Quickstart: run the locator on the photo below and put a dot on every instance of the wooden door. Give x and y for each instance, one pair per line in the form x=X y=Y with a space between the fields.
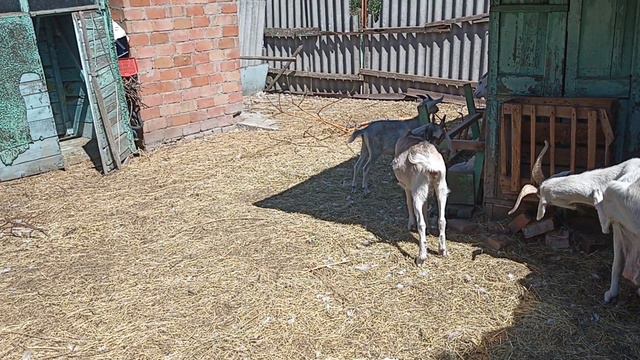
x=28 y=138
x=600 y=58
x=106 y=92
x=600 y=43
x=530 y=59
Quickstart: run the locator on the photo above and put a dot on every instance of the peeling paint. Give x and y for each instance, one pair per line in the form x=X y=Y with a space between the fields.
x=19 y=56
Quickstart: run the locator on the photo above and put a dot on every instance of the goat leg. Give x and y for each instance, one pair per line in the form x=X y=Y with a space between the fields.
x=411 y=226
x=442 y=193
x=363 y=155
x=616 y=268
x=418 y=203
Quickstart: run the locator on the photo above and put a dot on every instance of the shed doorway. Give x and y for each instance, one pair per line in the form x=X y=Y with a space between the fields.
x=65 y=79
x=84 y=86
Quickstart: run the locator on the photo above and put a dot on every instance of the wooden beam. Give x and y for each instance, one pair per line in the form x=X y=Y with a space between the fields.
x=503 y=140
x=472 y=145
x=552 y=140
x=608 y=135
x=516 y=142
x=434 y=27
x=99 y=98
x=316 y=75
x=533 y=136
x=531 y=8
x=591 y=140
x=64 y=10
x=574 y=129
x=466 y=123
x=416 y=78
x=268 y=58
x=286 y=66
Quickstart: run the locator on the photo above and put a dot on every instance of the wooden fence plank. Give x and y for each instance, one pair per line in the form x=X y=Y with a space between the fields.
x=516 y=141
x=591 y=149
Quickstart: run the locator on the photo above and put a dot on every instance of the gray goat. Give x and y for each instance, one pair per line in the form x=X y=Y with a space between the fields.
x=380 y=137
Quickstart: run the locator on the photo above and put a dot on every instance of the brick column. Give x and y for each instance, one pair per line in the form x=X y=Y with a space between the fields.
x=188 y=56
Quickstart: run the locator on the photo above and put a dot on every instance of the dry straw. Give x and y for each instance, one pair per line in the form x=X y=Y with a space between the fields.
x=245 y=245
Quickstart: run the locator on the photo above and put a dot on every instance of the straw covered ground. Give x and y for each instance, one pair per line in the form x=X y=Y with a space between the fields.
x=245 y=245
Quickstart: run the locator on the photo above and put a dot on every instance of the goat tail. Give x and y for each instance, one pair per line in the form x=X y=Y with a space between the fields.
x=425 y=164
x=356 y=134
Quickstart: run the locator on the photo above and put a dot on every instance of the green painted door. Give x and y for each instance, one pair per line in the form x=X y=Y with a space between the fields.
x=106 y=92
x=531 y=52
x=600 y=58
x=28 y=138
x=600 y=48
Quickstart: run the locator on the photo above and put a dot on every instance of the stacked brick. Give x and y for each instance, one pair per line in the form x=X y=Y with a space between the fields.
x=188 y=59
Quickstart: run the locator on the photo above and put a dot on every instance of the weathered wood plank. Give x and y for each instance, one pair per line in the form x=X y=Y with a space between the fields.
x=43 y=129
x=39 y=149
x=593 y=120
x=516 y=141
x=532 y=135
x=608 y=134
x=30 y=168
x=552 y=140
x=503 y=144
x=574 y=126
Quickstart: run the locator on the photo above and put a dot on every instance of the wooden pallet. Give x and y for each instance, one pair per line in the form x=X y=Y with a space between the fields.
x=579 y=133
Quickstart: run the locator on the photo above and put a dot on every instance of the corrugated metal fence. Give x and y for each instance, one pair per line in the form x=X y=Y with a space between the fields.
x=435 y=45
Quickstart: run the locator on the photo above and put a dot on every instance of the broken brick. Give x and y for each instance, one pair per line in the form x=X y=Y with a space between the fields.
x=558 y=239
x=519 y=222
x=497 y=242
x=538 y=228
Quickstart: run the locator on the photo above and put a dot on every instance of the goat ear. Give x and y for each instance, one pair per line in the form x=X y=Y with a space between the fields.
x=440 y=100
x=429 y=97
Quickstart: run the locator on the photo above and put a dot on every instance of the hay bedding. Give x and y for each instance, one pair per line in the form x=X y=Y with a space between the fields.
x=245 y=246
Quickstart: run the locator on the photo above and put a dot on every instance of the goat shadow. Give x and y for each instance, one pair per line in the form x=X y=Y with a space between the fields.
x=327 y=196
x=567 y=285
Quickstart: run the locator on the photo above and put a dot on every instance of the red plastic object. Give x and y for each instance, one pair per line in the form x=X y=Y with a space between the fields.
x=128 y=67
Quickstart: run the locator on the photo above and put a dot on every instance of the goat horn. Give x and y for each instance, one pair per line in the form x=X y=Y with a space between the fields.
x=526 y=190
x=537 y=176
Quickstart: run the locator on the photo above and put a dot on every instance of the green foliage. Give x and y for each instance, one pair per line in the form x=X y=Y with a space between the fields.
x=375 y=8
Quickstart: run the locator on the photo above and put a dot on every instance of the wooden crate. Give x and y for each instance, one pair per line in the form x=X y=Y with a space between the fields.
x=579 y=133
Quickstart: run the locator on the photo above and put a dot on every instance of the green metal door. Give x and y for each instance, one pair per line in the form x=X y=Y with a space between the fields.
x=28 y=139
x=106 y=92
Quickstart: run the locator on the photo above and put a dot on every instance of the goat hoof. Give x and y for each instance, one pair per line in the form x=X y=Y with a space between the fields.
x=444 y=253
x=610 y=298
x=420 y=261
x=412 y=228
x=353 y=189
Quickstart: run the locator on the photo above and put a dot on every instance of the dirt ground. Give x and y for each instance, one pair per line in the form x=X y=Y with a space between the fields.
x=246 y=245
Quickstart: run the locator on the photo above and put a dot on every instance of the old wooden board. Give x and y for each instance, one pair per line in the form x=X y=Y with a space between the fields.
x=106 y=93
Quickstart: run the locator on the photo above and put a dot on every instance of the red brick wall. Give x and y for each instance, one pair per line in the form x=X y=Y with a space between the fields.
x=188 y=57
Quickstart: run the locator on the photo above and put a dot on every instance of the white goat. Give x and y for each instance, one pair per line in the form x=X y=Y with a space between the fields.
x=421 y=170
x=483 y=87
x=567 y=191
x=379 y=137
x=619 y=207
